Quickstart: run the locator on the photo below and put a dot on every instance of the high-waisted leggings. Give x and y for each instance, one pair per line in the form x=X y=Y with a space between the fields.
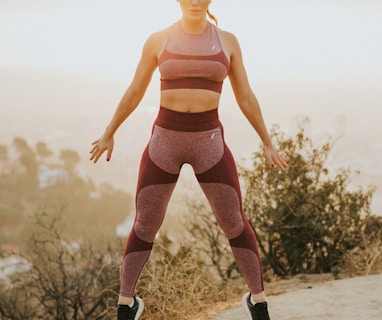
x=196 y=139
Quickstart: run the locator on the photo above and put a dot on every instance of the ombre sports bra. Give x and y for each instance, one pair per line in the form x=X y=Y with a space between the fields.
x=193 y=61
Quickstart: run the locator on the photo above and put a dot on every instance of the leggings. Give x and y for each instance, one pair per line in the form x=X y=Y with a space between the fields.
x=197 y=139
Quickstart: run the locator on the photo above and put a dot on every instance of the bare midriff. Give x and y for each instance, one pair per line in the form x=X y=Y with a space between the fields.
x=189 y=100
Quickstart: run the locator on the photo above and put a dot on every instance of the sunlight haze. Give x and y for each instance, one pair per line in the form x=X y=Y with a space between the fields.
x=65 y=64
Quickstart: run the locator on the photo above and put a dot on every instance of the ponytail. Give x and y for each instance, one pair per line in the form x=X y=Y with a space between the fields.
x=212 y=17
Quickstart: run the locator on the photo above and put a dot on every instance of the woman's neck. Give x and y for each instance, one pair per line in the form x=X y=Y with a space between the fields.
x=193 y=27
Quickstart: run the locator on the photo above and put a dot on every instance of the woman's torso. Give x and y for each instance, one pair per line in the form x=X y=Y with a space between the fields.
x=192 y=99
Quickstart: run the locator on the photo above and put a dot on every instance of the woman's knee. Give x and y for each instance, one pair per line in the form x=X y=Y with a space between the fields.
x=232 y=228
x=147 y=230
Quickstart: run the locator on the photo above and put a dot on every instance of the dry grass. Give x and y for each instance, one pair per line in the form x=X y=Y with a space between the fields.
x=364 y=260
x=179 y=286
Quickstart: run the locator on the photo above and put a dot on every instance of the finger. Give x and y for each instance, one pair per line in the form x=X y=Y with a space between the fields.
x=282 y=167
x=93 y=156
x=94 y=148
x=97 y=156
x=283 y=158
x=95 y=142
x=268 y=157
x=109 y=153
x=282 y=164
x=94 y=151
x=279 y=161
x=273 y=161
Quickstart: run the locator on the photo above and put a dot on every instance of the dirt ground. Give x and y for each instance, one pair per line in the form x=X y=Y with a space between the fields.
x=319 y=298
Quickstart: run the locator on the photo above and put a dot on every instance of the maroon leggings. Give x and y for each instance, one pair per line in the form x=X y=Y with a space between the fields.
x=196 y=139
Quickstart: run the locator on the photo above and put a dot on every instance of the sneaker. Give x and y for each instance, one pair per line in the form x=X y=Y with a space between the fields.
x=259 y=311
x=133 y=313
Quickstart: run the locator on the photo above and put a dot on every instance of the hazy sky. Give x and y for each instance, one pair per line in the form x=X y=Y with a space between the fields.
x=301 y=55
x=292 y=38
x=322 y=58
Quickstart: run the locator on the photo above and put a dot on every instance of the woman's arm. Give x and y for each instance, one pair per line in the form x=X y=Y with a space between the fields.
x=138 y=86
x=131 y=97
x=248 y=103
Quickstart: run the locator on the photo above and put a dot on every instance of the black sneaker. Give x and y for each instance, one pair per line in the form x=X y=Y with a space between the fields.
x=133 y=313
x=259 y=311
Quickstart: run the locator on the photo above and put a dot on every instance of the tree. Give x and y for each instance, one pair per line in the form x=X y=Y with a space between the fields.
x=305 y=218
x=27 y=158
x=43 y=151
x=28 y=185
x=73 y=280
x=70 y=159
x=4 y=153
x=212 y=243
x=67 y=280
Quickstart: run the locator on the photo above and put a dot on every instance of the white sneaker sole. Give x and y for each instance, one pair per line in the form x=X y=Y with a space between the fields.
x=140 y=308
x=244 y=300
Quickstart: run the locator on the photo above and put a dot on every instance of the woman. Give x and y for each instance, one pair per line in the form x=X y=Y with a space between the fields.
x=193 y=57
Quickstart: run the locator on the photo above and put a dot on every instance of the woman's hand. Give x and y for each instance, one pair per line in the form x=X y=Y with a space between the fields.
x=100 y=146
x=275 y=158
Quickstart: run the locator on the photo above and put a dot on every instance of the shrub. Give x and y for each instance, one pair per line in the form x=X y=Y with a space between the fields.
x=366 y=258
x=305 y=218
x=212 y=243
x=68 y=280
x=72 y=280
x=176 y=285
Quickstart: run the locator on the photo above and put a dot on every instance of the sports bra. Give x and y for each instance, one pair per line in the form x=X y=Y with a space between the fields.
x=193 y=61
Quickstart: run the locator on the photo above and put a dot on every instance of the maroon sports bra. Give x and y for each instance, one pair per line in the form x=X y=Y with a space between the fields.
x=193 y=61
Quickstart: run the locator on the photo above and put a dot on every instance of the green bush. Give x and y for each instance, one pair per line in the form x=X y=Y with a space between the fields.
x=305 y=218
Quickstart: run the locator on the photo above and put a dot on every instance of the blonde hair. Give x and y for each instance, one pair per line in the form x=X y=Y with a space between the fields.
x=212 y=17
